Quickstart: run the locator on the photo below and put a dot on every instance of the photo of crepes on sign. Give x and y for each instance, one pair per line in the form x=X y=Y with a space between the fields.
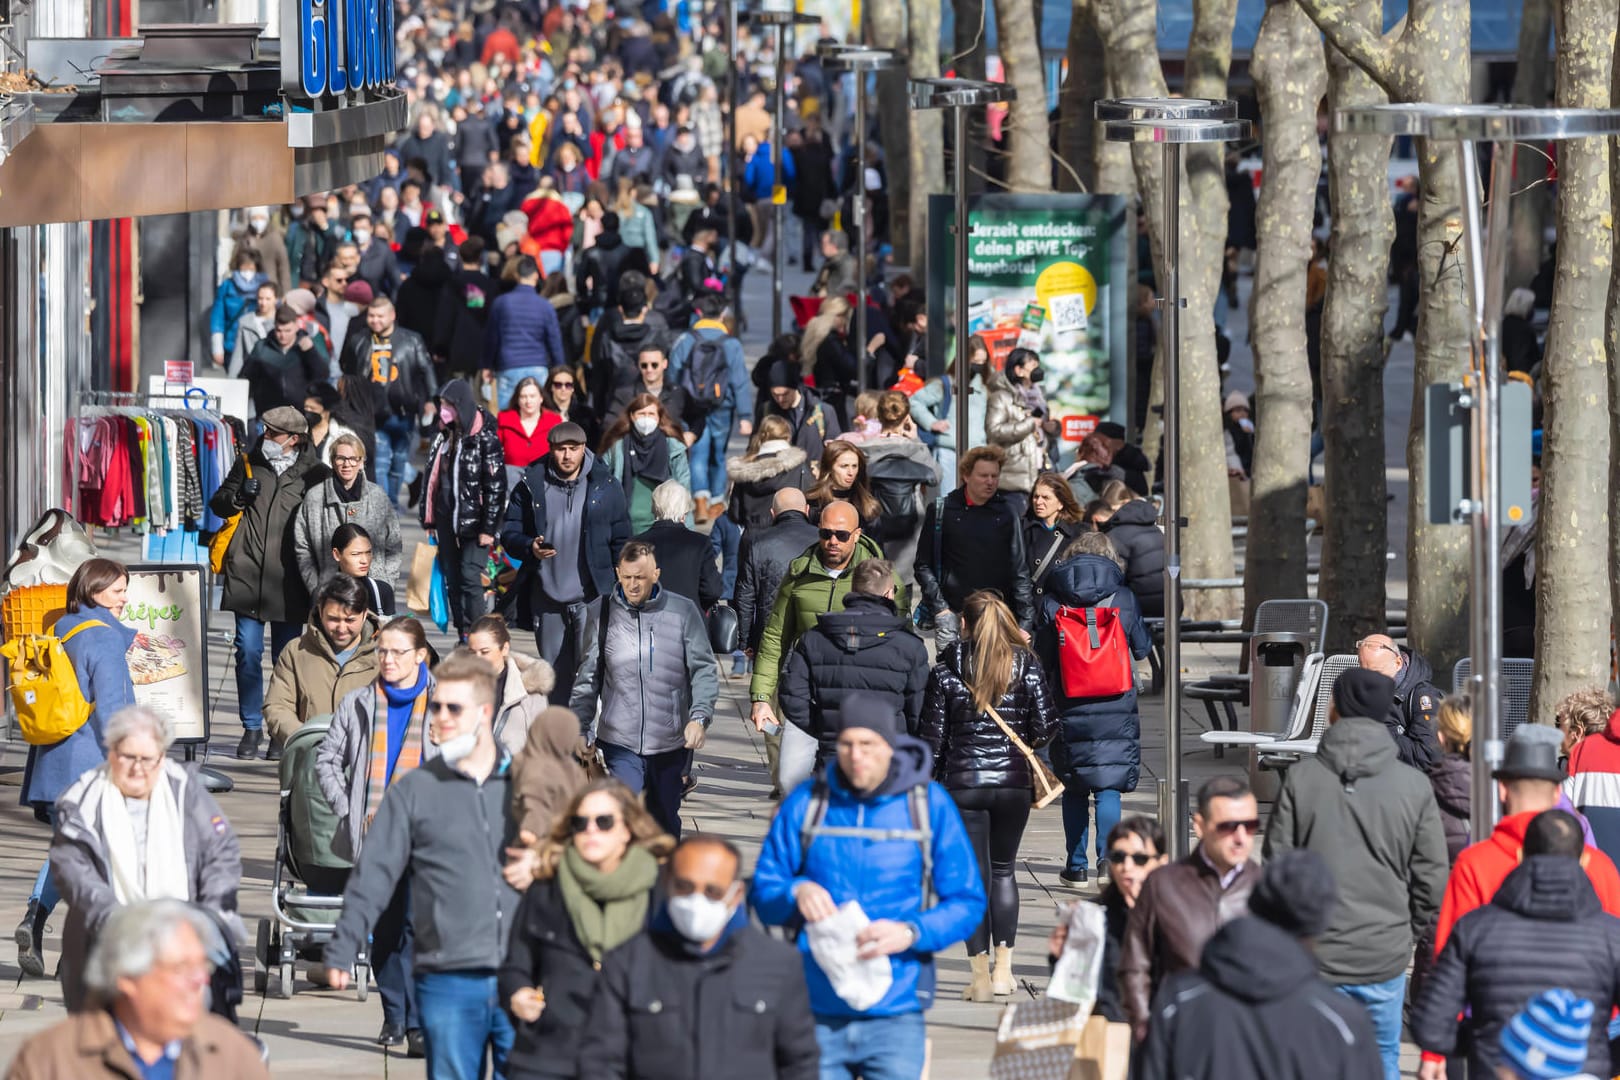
x=168 y=662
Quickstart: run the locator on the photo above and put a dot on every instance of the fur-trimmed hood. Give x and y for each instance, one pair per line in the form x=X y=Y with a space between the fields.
x=766 y=465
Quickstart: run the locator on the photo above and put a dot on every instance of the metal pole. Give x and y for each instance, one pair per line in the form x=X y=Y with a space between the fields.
x=961 y=234
x=728 y=158
x=858 y=149
x=778 y=209
x=1170 y=305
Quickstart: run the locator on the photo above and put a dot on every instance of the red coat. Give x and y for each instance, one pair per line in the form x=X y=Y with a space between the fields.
x=551 y=223
x=524 y=450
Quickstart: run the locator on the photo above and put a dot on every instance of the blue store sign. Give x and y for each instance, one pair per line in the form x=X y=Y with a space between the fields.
x=333 y=47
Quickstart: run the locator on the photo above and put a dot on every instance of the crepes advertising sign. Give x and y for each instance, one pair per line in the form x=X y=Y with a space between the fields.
x=168 y=663
x=1045 y=272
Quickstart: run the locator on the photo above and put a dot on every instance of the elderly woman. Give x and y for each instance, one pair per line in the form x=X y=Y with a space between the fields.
x=346 y=498
x=139 y=827
x=95 y=641
x=522 y=682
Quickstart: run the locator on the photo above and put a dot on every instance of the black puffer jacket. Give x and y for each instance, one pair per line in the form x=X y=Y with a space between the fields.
x=969 y=748
x=762 y=560
x=1411 y=714
x=1544 y=929
x=963 y=548
x=1135 y=532
x=1453 y=791
x=474 y=467
x=755 y=483
x=865 y=649
x=1257 y=1008
x=596 y=281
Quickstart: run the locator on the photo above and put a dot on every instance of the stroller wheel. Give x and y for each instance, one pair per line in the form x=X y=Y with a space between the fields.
x=289 y=974
x=362 y=981
x=261 y=958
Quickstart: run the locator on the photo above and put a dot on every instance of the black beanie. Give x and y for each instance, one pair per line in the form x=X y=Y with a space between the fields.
x=1359 y=692
x=873 y=712
x=1296 y=893
x=784 y=373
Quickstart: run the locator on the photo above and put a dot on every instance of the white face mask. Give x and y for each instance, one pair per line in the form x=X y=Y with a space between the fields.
x=697 y=918
x=259 y=224
x=646 y=425
x=362 y=237
x=272 y=450
x=453 y=750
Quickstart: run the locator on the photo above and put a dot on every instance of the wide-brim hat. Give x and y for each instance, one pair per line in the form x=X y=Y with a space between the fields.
x=1532 y=754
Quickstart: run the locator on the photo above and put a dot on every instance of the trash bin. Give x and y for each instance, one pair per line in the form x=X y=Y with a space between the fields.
x=1276 y=662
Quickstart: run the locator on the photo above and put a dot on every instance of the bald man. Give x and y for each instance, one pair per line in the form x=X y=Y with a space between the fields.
x=1410 y=719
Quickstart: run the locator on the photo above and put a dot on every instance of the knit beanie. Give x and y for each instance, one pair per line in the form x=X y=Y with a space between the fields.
x=1549 y=1038
x=1296 y=893
x=1359 y=692
x=873 y=712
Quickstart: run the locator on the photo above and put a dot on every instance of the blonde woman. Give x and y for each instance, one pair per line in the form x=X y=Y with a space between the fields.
x=1452 y=778
x=826 y=354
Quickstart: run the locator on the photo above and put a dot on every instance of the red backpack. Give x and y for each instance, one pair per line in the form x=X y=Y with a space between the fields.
x=1093 y=655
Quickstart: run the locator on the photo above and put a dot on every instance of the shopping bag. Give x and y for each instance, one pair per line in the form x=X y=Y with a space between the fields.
x=1104 y=1052
x=1037 y=1040
x=419 y=587
x=439 y=599
x=1079 y=966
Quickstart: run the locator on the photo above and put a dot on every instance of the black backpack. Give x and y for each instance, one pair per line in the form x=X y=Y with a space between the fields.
x=705 y=375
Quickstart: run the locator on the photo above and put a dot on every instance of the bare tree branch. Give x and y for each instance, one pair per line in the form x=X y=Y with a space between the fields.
x=1369 y=51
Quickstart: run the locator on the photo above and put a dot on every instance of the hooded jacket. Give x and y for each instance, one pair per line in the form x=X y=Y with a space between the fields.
x=548 y=771
x=1101 y=742
x=1375 y=823
x=596 y=281
x=308 y=680
x=343 y=764
x=1256 y=1008
x=762 y=561
x=653 y=669
x=1411 y=714
x=755 y=482
x=807 y=591
x=604 y=530
x=468 y=457
x=1452 y=781
x=1134 y=529
x=1009 y=425
x=865 y=649
x=1545 y=928
x=615 y=346
x=523 y=689
x=970 y=750
x=951 y=554
x=262 y=579
x=884 y=875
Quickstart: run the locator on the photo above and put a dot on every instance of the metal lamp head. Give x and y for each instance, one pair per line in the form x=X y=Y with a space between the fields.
x=1166 y=109
x=844 y=57
x=1176 y=131
x=957 y=93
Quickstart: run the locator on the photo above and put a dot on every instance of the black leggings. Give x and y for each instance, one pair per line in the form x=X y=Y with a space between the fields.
x=995 y=818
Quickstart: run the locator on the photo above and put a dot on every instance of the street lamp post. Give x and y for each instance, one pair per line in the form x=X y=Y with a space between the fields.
x=782 y=19
x=1486 y=245
x=959 y=95
x=1175 y=123
x=862 y=62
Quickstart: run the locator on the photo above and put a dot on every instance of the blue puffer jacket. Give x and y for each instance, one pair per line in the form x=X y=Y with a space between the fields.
x=884 y=875
x=1100 y=745
x=103 y=673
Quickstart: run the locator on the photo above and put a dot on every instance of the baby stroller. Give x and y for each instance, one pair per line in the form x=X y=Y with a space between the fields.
x=306 y=889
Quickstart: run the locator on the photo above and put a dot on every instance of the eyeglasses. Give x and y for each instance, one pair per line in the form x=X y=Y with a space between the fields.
x=136 y=761
x=346 y=459
x=1140 y=858
x=1227 y=828
x=682 y=887
x=841 y=535
x=1367 y=643
x=395 y=654
x=579 y=823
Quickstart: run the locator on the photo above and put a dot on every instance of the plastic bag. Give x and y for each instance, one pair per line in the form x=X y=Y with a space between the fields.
x=439 y=599
x=860 y=983
x=1075 y=976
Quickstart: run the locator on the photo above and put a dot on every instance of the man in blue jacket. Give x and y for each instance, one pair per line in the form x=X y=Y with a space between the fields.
x=522 y=338
x=718 y=390
x=876 y=831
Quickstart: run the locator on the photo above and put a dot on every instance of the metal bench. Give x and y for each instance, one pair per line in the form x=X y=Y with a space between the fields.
x=1284 y=752
x=1299 y=716
x=1518 y=677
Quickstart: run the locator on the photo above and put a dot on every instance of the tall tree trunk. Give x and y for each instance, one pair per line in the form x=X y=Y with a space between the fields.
x=1572 y=537
x=1291 y=77
x=1532 y=81
x=968 y=60
x=1027 y=131
x=1355 y=536
x=1115 y=174
x=927 y=142
x=887 y=19
x=1612 y=326
x=1078 y=133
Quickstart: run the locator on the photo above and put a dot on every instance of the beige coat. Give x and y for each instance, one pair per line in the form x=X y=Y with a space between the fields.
x=1009 y=425
x=528 y=681
x=308 y=681
x=86 y=1046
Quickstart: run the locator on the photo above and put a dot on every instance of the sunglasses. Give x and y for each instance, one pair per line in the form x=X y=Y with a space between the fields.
x=1227 y=828
x=654 y=366
x=562 y=384
x=453 y=708
x=1140 y=858
x=841 y=535
x=579 y=823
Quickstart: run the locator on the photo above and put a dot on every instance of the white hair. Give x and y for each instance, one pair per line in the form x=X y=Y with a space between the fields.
x=671 y=501
x=138 y=720
x=1520 y=303
x=134 y=937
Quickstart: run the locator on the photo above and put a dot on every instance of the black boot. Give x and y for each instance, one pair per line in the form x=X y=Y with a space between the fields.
x=248 y=748
x=30 y=938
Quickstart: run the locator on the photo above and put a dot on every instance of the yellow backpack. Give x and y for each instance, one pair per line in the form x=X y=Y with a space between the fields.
x=44 y=686
x=221 y=542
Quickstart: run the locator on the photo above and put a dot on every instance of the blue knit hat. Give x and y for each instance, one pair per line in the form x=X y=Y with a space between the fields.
x=1549 y=1038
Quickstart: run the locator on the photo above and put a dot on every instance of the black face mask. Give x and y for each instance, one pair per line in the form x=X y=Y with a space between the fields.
x=1037 y=375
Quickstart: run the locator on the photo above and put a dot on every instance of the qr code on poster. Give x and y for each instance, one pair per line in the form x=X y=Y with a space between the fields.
x=1068 y=313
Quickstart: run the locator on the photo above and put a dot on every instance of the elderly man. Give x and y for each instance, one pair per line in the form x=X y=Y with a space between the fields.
x=1410 y=717
x=149 y=1016
x=685 y=557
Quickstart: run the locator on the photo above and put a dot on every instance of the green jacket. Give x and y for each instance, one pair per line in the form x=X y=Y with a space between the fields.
x=807 y=592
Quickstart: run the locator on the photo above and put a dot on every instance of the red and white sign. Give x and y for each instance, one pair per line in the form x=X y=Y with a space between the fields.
x=1076 y=428
x=181 y=372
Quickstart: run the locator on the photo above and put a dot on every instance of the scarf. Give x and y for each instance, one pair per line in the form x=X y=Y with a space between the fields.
x=646 y=458
x=350 y=494
x=162 y=873
x=410 y=747
x=606 y=909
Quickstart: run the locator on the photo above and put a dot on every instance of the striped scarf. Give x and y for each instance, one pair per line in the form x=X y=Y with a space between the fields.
x=410 y=751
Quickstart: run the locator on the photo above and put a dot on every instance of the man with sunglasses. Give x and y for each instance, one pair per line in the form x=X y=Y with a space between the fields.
x=1374 y=822
x=1410 y=717
x=1183 y=904
x=742 y=1011
x=447 y=824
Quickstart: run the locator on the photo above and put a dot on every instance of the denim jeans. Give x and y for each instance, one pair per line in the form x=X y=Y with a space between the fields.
x=726 y=539
x=463 y=1020
x=44 y=885
x=393 y=950
x=1383 y=1001
x=394 y=454
x=249 y=645
x=1077 y=820
x=874 y=1048
x=708 y=454
x=506 y=381
x=657 y=777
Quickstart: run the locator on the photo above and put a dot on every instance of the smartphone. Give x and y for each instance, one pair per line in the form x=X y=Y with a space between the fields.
x=546 y=545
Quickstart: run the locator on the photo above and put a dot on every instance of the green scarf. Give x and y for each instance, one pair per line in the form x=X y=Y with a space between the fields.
x=606 y=909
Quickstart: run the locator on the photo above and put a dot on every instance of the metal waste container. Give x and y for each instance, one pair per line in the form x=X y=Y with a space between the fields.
x=1276 y=662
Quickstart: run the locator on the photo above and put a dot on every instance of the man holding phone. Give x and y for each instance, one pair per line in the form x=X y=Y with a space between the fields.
x=284 y=364
x=567 y=519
